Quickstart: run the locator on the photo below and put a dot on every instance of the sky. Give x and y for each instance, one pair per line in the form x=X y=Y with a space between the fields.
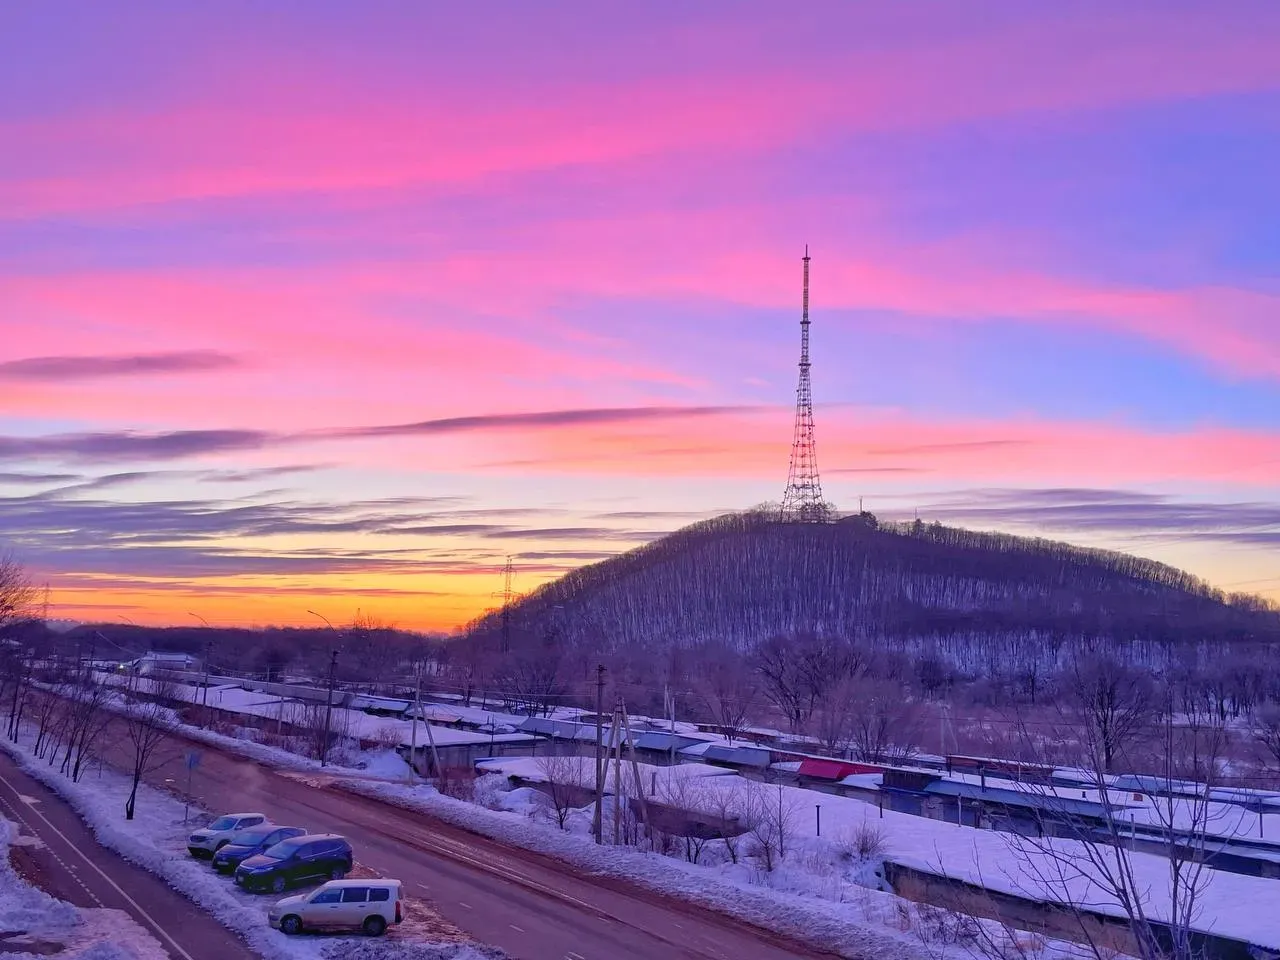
x=318 y=306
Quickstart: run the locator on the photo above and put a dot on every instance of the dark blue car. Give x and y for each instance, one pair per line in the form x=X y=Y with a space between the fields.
x=322 y=856
x=249 y=843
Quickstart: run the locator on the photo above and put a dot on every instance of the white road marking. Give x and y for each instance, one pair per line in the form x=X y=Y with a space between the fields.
x=515 y=928
x=30 y=801
x=136 y=906
x=423 y=885
x=574 y=956
x=18 y=818
x=461 y=904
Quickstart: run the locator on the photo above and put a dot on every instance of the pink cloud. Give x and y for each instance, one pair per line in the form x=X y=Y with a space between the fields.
x=329 y=127
x=884 y=447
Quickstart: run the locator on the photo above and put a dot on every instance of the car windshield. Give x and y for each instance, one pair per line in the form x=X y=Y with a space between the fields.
x=282 y=850
x=223 y=823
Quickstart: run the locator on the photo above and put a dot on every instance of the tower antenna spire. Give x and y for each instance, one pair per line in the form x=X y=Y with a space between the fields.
x=802 y=500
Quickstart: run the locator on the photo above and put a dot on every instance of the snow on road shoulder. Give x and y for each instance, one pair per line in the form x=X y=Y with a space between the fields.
x=156 y=840
x=34 y=921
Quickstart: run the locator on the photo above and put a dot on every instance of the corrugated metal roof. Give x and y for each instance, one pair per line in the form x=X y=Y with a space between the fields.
x=736 y=756
x=825 y=769
x=1044 y=803
x=564 y=729
x=655 y=740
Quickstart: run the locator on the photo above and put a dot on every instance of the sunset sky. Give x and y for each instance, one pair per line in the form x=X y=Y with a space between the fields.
x=336 y=305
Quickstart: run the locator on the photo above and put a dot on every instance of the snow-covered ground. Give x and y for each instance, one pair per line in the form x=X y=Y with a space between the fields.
x=353 y=723
x=156 y=840
x=825 y=827
x=31 y=920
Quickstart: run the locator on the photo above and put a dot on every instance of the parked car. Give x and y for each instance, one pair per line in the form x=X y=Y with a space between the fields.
x=322 y=856
x=368 y=905
x=206 y=842
x=248 y=843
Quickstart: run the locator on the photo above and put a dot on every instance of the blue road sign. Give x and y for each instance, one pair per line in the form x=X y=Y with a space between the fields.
x=193 y=759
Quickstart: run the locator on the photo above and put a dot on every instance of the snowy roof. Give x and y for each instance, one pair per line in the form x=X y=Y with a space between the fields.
x=737 y=756
x=563 y=729
x=665 y=741
x=1020 y=798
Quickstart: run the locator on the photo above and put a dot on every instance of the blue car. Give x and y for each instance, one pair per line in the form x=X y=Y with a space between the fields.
x=297 y=860
x=249 y=843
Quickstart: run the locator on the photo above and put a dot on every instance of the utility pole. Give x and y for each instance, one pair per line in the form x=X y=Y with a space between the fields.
x=413 y=721
x=615 y=736
x=671 y=713
x=596 y=825
x=204 y=694
x=328 y=708
x=635 y=771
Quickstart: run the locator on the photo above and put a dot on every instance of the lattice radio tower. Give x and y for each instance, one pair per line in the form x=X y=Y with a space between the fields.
x=803 y=499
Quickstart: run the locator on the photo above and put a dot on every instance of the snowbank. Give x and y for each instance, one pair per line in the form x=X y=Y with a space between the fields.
x=33 y=917
x=156 y=840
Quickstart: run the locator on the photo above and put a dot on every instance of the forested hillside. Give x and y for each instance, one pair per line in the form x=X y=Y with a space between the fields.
x=740 y=580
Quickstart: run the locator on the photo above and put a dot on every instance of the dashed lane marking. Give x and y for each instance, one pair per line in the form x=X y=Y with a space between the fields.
x=461 y=904
x=515 y=928
x=62 y=863
x=143 y=914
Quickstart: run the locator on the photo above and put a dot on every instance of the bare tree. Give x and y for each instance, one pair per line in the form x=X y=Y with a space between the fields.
x=1267 y=730
x=769 y=816
x=685 y=795
x=319 y=727
x=148 y=726
x=566 y=775
x=1114 y=702
x=19 y=597
x=19 y=600
x=727 y=689
x=796 y=672
x=1147 y=859
x=88 y=720
x=883 y=725
x=533 y=678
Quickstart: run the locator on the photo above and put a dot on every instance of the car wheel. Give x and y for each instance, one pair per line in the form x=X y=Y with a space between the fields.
x=221 y=844
x=277 y=885
x=291 y=925
x=337 y=873
x=375 y=926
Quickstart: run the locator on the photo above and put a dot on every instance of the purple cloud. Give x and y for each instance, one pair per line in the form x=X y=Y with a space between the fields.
x=84 y=368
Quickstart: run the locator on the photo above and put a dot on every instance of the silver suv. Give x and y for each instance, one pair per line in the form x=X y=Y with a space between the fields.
x=368 y=905
x=205 y=843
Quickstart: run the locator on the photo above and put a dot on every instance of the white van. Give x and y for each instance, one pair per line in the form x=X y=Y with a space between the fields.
x=368 y=905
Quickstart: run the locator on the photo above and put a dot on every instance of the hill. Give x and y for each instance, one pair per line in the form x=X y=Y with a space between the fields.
x=742 y=579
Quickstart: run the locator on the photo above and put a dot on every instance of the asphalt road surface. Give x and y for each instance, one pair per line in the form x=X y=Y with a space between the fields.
x=73 y=867
x=532 y=906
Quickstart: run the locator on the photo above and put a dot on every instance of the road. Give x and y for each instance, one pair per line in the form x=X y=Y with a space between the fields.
x=72 y=866
x=532 y=906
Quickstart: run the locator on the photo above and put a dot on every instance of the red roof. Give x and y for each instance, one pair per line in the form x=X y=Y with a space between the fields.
x=833 y=769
